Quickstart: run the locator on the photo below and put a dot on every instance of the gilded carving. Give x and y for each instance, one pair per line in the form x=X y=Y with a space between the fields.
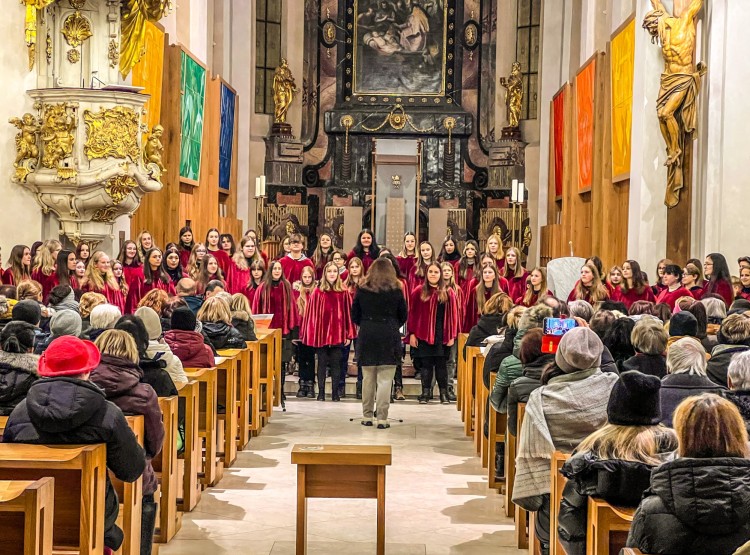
x=111 y=132
x=153 y=150
x=113 y=54
x=30 y=27
x=119 y=187
x=284 y=88
x=49 y=49
x=74 y=56
x=77 y=4
x=27 y=151
x=76 y=29
x=57 y=137
x=514 y=94
x=105 y=215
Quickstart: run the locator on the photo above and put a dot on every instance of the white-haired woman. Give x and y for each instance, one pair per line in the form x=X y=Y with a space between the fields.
x=686 y=364
x=738 y=379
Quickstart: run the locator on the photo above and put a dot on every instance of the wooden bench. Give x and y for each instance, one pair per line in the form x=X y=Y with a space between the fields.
x=607 y=528
x=226 y=380
x=3 y=423
x=211 y=468
x=497 y=433
x=130 y=496
x=242 y=365
x=340 y=471
x=190 y=494
x=254 y=388
x=557 y=484
x=523 y=521
x=511 y=445
x=270 y=372
x=481 y=395
x=461 y=374
x=165 y=467
x=80 y=477
x=26 y=509
x=470 y=406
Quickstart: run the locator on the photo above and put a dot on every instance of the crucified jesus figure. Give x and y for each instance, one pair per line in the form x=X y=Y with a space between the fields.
x=680 y=85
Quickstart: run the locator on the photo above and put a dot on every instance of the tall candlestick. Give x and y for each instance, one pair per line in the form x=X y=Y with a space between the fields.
x=257 y=187
x=521 y=191
x=262 y=185
x=514 y=191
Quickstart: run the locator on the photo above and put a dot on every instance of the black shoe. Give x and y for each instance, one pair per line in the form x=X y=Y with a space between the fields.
x=342 y=391
x=322 y=395
x=366 y=422
x=335 y=398
x=424 y=397
x=444 y=397
x=311 y=390
x=359 y=390
x=383 y=425
x=302 y=391
x=451 y=394
x=399 y=396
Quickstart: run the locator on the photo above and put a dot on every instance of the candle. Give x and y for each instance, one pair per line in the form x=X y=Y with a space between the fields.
x=257 y=186
x=514 y=191
x=262 y=185
x=521 y=191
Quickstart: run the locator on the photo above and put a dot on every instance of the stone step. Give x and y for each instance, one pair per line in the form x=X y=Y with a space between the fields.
x=412 y=387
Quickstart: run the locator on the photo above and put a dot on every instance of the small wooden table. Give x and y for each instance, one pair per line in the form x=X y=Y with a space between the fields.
x=340 y=471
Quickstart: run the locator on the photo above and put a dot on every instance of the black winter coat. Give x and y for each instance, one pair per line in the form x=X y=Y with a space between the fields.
x=155 y=375
x=497 y=354
x=741 y=399
x=223 y=336
x=677 y=387
x=67 y=411
x=17 y=375
x=653 y=365
x=696 y=506
x=521 y=388
x=244 y=324
x=488 y=324
x=617 y=482
x=380 y=317
x=718 y=364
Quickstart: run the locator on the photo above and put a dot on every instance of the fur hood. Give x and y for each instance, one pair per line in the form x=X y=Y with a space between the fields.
x=20 y=361
x=534 y=316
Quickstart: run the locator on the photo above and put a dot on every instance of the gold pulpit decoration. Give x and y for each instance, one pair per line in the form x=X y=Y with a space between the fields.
x=677 y=104
x=513 y=94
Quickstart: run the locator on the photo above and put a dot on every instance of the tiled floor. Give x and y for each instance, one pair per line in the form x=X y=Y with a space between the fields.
x=437 y=496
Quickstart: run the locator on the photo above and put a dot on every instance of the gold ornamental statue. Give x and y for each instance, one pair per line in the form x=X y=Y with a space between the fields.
x=513 y=94
x=680 y=84
x=284 y=88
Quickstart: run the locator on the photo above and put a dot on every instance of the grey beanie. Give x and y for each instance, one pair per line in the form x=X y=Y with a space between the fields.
x=151 y=321
x=65 y=322
x=579 y=349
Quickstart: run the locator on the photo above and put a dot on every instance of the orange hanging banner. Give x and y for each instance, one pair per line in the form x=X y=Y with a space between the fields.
x=622 y=49
x=558 y=111
x=585 y=90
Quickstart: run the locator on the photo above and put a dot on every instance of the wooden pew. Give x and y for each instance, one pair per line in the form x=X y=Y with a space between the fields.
x=608 y=527
x=227 y=395
x=276 y=366
x=522 y=518
x=511 y=444
x=130 y=495
x=497 y=434
x=190 y=493
x=557 y=483
x=3 y=422
x=254 y=386
x=242 y=365
x=26 y=509
x=211 y=468
x=461 y=374
x=80 y=476
x=482 y=395
x=270 y=372
x=470 y=407
x=165 y=467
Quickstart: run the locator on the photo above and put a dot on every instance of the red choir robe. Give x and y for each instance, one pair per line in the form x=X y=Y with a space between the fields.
x=184 y=257
x=293 y=268
x=8 y=277
x=113 y=296
x=657 y=289
x=132 y=274
x=328 y=319
x=139 y=288
x=534 y=298
x=464 y=283
x=631 y=296
x=238 y=281
x=366 y=258
x=406 y=263
x=471 y=314
x=222 y=258
x=413 y=279
x=201 y=288
x=47 y=282
x=586 y=297
x=697 y=292
x=264 y=256
x=723 y=288
x=275 y=300
x=517 y=285
x=670 y=297
x=744 y=293
x=422 y=315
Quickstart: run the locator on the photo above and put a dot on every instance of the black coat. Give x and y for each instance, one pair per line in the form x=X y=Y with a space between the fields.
x=223 y=336
x=696 y=506
x=497 y=354
x=244 y=324
x=488 y=324
x=653 y=365
x=67 y=411
x=741 y=399
x=617 y=482
x=155 y=375
x=521 y=388
x=677 y=387
x=718 y=364
x=17 y=375
x=380 y=317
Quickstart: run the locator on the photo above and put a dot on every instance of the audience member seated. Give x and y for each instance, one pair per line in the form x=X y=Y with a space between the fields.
x=158 y=300
x=698 y=309
x=641 y=308
x=157 y=348
x=154 y=370
x=686 y=364
x=65 y=322
x=119 y=375
x=65 y=408
x=617 y=340
x=86 y=305
x=649 y=340
x=213 y=288
x=738 y=379
x=62 y=297
x=241 y=316
x=217 y=325
x=491 y=320
x=570 y=405
x=601 y=321
x=186 y=343
x=18 y=366
x=502 y=349
x=102 y=318
x=682 y=324
x=663 y=312
x=6 y=306
x=615 y=462
x=697 y=503
x=534 y=362
x=581 y=309
x=30 y=312
x=187 y=289
x=734 y=337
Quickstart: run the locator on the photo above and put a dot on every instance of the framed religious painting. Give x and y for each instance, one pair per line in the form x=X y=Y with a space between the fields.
x=226 y=135
x=192 y=110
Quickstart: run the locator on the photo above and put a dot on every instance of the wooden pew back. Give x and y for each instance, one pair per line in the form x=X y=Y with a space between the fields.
x=557 y=483
x=608 y=527
x=130 y=496
x=190 y=493
x=26 y=510
x=211 y=466
x=165 y=466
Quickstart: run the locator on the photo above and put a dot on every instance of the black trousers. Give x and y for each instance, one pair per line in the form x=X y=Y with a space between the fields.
x=306 y=360
x=329 y=357
x=434 y=365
